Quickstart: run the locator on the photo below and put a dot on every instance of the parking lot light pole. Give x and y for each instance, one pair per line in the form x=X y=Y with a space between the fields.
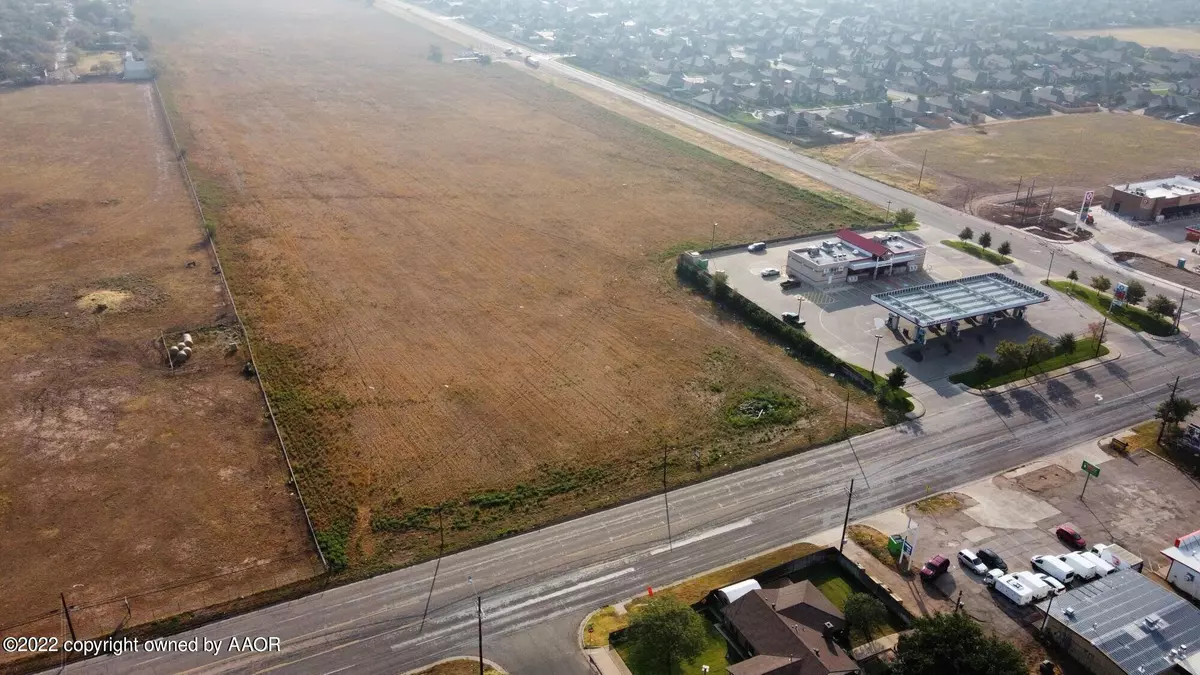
x=1051 y=265
x=873 y=356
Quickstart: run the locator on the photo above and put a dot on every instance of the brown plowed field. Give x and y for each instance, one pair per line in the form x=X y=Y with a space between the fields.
x=460 y=277
x=117 y=477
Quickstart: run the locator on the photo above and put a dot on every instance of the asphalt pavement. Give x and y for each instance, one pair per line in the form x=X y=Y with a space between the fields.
x=537 y=587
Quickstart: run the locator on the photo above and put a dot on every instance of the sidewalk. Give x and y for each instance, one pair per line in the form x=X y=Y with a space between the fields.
x=606 y=662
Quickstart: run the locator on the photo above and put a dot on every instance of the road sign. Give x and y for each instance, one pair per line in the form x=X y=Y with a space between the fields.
x=1087 y=197
x=908 y=549
x=1091 y=469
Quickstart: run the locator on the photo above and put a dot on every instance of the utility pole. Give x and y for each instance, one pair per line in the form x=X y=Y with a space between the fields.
x=1047 y=618
x=1051 y=265
x=846 y=521
x=1170 y=403
x=889 y=211
x=1012 y=216
x=666 y=503
x=1179 y=312
x=958 y=602
x=1100 y=340
x=436 y=567
x=479 y=611
x=922 y=176
x=67 y=612
x=846 y=422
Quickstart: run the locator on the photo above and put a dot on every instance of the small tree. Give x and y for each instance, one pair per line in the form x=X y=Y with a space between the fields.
x=1010 y=355
x=897 y=377
x=1101 y=283
x=1135 y=292
x=665 y=630
x=864 y=613
x=1161 y=305
x=905 y=217
x=720 y=285
x=967 y=234
x=1066 y=343
x=1073 y=276
x=1173 y=411
x=1096 y=332
x=1005 y=248
x=985 y=240
x=435 y=53
x=1037 y=349
x=984 y=365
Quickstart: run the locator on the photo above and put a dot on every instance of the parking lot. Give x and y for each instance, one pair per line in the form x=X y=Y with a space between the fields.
x=1139 y=502
x=843 y=319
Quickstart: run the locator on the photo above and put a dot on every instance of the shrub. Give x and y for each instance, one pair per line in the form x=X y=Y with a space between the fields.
x=897 y=377
x=967 y=234
x=985 y=240
x=1005 y=248
x=1073 y=276
x=1135 y=292
x=905 y=217
x=1037 y=349
x=984 y=365
x=1161 y=305
x=1066 y=343
x=1101 y=283
x=1010 y=355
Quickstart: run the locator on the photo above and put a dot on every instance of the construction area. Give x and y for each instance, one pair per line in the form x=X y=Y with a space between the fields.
x=131 y=489
x=1018 y=172
x=459 y=279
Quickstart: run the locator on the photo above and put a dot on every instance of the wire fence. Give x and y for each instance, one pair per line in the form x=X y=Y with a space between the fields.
x=181 y=161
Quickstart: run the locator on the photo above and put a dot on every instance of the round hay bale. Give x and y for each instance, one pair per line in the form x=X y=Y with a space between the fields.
x=187 y=339
x=181 y=357
x=186 y=351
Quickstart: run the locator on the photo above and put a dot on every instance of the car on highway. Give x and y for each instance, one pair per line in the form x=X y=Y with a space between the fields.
x=1068 y=535
x=971 y=562
x=769 y=272
x=992 y=559
x=935 y=568
x=757 y=246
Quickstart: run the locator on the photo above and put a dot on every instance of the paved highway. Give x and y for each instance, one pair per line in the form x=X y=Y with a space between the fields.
x=537 y=587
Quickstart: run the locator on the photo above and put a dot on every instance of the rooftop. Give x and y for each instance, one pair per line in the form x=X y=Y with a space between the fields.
x=1144 y=628
x=1159 y=188
x=959 y=299
x=848 y=246
x=1186 y=551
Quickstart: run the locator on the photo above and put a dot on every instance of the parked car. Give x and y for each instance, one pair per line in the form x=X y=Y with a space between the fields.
x=935 y=568
x=789 y=283
x=1053 y=567
x=756 y=247
x=1084 y=569
x=971 y=562
x=769 y=272
x=793 y=318
x=1068 y=535
x=992 y=559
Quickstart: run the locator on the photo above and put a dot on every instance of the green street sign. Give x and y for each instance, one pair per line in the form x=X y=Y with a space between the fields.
x=1093 y=470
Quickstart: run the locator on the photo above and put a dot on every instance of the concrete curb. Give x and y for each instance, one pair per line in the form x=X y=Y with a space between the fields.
x=473 y=659
x=1182 y=335
x=1112 y=355
x=918 y=410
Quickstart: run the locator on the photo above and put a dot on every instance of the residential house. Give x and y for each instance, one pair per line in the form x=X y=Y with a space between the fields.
x=970 y=79
x=787 y=631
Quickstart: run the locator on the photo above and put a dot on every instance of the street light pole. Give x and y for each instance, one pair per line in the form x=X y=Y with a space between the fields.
x=714 y=237
x=479 y=615
x=873 y=356
x=1100 y=340
x=666 y=503
x=1051 y=265
x=922 y=176
x=1179 y=314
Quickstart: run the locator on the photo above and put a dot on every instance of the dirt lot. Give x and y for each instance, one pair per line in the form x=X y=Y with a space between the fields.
x=460 y=277
x=116 y=477
x=1069 y=153
x=1184 y=39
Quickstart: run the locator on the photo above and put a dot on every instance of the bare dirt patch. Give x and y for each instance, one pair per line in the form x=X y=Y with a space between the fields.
x=1045 y=478
x=116 y=478
x=461 y=277
x=1066 y=154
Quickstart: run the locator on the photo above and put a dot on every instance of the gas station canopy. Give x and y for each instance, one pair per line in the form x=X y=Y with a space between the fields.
x=943 y=301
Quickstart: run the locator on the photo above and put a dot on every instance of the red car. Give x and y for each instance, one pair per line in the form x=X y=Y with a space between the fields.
x=936 y=567
x=1067 y=535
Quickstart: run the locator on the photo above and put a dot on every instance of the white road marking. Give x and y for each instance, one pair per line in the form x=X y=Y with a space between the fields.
x=707 y=534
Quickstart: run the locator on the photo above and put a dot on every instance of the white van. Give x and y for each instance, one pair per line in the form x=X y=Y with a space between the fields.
x=1013 y=587
x=1055 y=587
x=1041 y=590
x=1102 y=567
x=1053 y=567
x=1084 y=570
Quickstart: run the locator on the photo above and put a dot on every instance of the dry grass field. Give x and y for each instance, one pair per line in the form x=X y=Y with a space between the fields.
x=1074 y=153
x=116 y=477
x=460 y=277
x=1184 y=39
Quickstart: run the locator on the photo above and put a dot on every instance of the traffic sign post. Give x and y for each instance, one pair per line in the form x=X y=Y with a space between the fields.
x=1091 y=470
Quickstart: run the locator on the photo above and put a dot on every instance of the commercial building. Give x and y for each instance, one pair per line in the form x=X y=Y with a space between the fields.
x=1125 y=624
x=1147 y=200
x=1184 y=573
x=848 y=257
